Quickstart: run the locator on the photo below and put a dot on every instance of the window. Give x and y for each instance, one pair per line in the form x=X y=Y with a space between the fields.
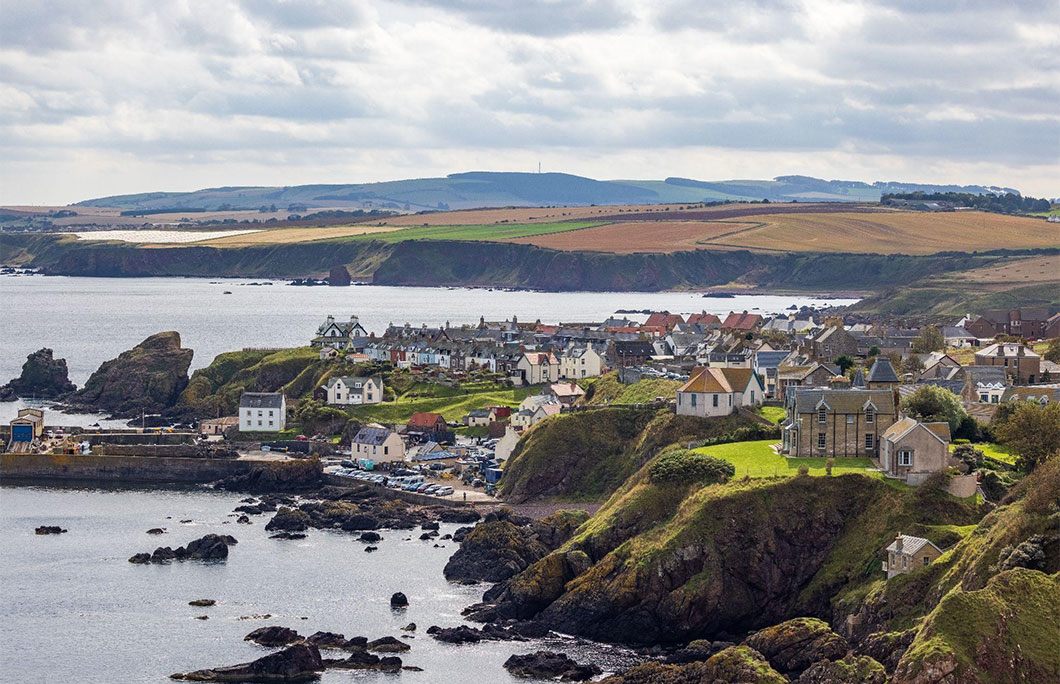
x=259 y=415
x=850 y=420
x=821 y=437
x=926 y=560
x=270 y=423
x=694 y=400
x=985 y=398
x=905 y=457
x=869 y=440
x=259 y=423
x=386 y=450
x=715 y=401
x=870 y=415
x=822 y=415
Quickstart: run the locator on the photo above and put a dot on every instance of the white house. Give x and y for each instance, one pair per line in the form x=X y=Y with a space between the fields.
x=713 y=391
x=378 y=444
x=348 y=390
x=506 y=444
x=262 y=412
x=580 y=362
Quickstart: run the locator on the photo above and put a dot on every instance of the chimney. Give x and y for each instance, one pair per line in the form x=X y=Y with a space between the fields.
x=898 y=542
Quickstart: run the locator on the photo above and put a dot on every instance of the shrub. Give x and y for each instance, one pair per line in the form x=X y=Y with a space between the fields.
x=682 y=466
x=968 y=455
x=931 y=403
x=804 y=470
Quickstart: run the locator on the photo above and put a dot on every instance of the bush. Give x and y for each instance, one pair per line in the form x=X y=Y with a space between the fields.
x=968 y=455
x=682 y=466
x=930 y=404
x=1030 y=430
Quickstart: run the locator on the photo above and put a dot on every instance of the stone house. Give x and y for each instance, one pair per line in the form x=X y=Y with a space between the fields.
x=837 y=422
x=906 y=553
x=719 y=392
x=565 y=393
x=911 y=451
x=793 y=377
x=1021 y=364
x=882 y=375
x=831 y=343
x=535 y=368
x=580 y=362
x=337 y=334
x=350 y=390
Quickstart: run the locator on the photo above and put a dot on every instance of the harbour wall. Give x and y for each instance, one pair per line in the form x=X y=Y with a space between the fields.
x=118 y=469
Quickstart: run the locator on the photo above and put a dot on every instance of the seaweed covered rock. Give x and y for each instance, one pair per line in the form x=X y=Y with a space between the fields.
x=209 y=547
x=298 y=663
x=550 y=665
x=43 y=377
x=504 y=545
x=794 y=645
x=147 y=378
x=733 y=664
x=276 y=476
x=850 y=669
x=288 y=520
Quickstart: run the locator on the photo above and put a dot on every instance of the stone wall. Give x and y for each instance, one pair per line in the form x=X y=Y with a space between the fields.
x=119 y=468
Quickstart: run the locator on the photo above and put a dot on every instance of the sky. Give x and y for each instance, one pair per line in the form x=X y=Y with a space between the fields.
x=121 y=96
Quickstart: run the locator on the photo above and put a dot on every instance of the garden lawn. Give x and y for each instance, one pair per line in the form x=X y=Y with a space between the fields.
x=994 y=451
x=453 y=407
x=756 y=460
x=774 y=414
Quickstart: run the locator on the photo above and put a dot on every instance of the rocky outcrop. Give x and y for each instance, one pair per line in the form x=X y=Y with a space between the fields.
x=550 y=665
x=339 y=276
x=734 y=664
x=210 y=547
x=399 y=600
x=851 y=669
x=794 y=645
x=273 y=635
x=298 y=663
x=504 y=544
x=43 y=377
x=269 y=478
x=49 y=529
x=288 y=520
x=148 y=378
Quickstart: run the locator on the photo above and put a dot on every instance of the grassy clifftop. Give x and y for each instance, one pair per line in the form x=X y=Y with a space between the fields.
x=586 y=456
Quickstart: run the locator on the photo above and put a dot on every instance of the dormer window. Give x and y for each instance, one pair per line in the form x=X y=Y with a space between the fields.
x=822 y=414
x=870 y=415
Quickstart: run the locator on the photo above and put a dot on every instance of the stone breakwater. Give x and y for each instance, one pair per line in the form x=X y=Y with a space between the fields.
x=132 y=469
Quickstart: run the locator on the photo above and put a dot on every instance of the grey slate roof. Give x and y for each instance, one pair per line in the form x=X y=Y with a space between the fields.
x=843 y=400
x=271 y=400
x=770 y=359
x=882 y=371
x=371 y=436
x=911 y=544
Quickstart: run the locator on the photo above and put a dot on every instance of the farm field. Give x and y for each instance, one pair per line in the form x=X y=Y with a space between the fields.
x=164 y=237
x=1012 y=271
x=881 y=232
x=293 y=235
x=757 y=460
x=474 y=232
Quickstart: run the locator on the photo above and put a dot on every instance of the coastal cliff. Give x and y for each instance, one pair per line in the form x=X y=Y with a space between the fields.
x=43 y=377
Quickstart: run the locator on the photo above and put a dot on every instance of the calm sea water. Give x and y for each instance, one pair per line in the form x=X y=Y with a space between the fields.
x=89 y=320
x=73 y=609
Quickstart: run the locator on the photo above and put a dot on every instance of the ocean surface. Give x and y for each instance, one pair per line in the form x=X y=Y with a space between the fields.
x=73 y=609
x=89 y=320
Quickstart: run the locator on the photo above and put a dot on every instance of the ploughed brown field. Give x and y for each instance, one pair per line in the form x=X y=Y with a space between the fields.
x=1013 y=271
x=875 y=231
x=280 y=236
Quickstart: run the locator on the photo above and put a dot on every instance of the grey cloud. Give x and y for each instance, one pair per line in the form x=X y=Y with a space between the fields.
x=537 y=17
x=306 y=14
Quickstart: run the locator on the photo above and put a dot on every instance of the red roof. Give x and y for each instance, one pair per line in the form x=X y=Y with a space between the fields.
x=428 y=421
x=742 y=321
x=663 y=319
x=704 y=319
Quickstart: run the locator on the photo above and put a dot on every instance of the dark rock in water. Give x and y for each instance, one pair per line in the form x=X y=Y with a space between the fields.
x=550 y=665
x=370 y=537
x=202 y=617
x=243 y=520
x=210 y=547
x=203 y=603
x=700 y=649
x=149 y=377
x=504 y=545
x=429 y=525
x=288 y=476
x=459 y=515
x=289 y=520
x=49 y=529
x=410 y=627
x=426 y=536
x=398 y=600
x=43 y=377
x=390 y=664
x=794 y=645
x=273 y=635
x=339 y=276
x=362 y=660
x=156 y=530
x=456 y=635
x=387 y=644
x=370 y=549
x=357 y=642
x=327 y=640
x=288 y=535
x=446 y=536
x=298 y=663
x=461 y=533
x=252 y=509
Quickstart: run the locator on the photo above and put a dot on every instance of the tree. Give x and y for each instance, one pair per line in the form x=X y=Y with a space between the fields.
x=929 y=340
x=845 y=363
x=1052 y=352
x=1032 y=432
x=874 y=351
x=935 y=404
x=316 y=417
x=912 y=365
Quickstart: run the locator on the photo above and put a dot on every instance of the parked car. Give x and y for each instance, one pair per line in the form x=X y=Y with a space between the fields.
x=444 y=491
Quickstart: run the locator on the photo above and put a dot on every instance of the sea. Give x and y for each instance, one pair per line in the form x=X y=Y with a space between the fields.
x=73 y=609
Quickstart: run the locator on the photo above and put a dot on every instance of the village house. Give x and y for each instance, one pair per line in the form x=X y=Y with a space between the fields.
x=882 y=375
x=580 y=362
x=984 y=384
x=214 y=427
x=742 y=322
x=430 y=426
x=766 y=364
x=262 y=412
x=565 y=393
x=506 y=444
x=907 y=553
x=535 y=368
x=911 y=451
x=1041 y=394
x=622 y=353
x=719 y=392
x=1021 y=364
x=705 y=321
x=790 y=378
x=1031 y=323
x=534 y=409
x=338 y=335
x=837 y=422
x=831 y=343
x=350 y=390
x=938 y=366
x=378 y=444
x=480 y=417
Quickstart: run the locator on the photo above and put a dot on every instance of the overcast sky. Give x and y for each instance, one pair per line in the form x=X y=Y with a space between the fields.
x=119 y=96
